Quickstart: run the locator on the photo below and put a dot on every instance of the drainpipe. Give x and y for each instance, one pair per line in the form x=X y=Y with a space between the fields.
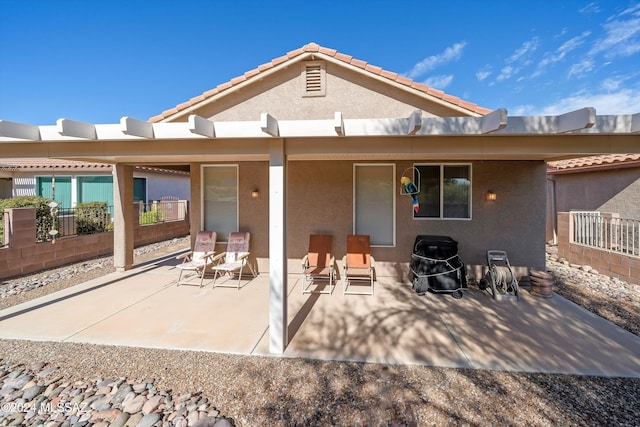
x=554 y=213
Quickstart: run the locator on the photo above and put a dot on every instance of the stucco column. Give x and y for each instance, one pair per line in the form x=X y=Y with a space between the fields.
x=123 y=214
x=195 y=204
x=278 y=337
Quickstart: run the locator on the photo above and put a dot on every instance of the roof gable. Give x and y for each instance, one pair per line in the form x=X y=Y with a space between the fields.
x=314 y=51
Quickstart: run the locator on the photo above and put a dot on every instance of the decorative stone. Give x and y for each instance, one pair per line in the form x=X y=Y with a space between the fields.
x=149 y=420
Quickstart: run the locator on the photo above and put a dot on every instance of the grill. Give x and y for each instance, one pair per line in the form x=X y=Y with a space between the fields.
x=436 y=266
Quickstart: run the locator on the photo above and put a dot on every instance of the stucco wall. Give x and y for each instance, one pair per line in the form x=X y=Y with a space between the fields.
x=353 y=94
x=320 y=198
x=611 y=191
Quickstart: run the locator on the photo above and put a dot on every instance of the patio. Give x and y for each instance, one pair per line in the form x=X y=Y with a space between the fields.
x=143 y=307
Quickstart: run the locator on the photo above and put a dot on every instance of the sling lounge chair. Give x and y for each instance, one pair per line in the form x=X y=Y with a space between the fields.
x=234 y=259
x=318 y=264
x=199 y=259
x=358 y=266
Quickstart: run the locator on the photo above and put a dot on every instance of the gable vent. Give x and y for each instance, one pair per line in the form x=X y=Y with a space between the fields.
x=314 y=79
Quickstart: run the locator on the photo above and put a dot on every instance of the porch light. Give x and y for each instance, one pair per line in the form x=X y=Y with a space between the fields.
x=255 y=193
x=491 y=196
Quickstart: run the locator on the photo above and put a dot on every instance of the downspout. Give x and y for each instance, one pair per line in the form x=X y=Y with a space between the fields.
x=554 y=213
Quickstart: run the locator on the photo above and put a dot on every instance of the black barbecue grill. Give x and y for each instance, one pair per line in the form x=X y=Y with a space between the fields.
x=436 y=267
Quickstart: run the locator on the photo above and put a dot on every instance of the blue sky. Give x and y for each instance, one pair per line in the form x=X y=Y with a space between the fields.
x=97 y=61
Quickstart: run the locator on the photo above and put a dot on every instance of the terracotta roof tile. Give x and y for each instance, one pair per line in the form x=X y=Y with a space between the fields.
x=374 y=69
x=348 y=59
x=44 y=163
x=359 y=63
x=593 y=162
x=295 y=53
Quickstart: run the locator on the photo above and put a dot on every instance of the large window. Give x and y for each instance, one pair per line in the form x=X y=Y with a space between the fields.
x=374 y=206
x=220 y=199
x=445 y=191
x=95 y=189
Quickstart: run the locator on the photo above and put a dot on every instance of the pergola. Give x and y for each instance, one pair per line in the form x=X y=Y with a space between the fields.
x=495 y=136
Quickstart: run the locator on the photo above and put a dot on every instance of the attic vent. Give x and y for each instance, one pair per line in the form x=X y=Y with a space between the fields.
x=313 y=79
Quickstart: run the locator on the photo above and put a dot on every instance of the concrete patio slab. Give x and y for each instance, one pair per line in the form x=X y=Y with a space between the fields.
x=143 y=307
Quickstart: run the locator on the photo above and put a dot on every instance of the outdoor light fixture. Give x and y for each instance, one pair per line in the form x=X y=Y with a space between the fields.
x=491 y=196
x=255 y=193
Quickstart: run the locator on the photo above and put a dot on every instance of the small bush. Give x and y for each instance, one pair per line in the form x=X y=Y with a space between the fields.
x=92 y=217
x=153 y=216
x=44 y=220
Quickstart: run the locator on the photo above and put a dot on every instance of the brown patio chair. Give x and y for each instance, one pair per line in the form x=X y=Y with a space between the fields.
x=198 y=259
x=358 y=266
x=318 y=264
x=234 y=259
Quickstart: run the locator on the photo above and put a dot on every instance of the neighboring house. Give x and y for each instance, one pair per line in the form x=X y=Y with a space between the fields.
x=606 y=183
x=72 y=182
x=316 y=141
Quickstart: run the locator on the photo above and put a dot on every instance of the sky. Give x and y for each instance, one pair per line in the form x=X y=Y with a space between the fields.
x=99 y=60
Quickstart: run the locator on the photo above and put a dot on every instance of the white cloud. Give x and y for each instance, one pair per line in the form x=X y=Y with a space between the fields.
x=622 y=35
x=483 y=73
x=439 y=82
x=506 y=73
x=452 y=53
x=560 y=53
x=624 y=101
x=581 y=68
x=527 y=48
x=522 y=110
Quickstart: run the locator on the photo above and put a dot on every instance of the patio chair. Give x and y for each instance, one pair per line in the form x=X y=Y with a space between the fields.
x=359 y=265
x=234 y=259
x=198 y=259
x=318 y=264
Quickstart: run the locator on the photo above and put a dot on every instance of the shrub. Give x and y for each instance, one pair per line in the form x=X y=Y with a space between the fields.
x=44 y=220
x=154 y=216
x=92 y=217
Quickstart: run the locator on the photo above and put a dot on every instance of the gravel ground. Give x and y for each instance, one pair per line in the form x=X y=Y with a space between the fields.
x=252 y=390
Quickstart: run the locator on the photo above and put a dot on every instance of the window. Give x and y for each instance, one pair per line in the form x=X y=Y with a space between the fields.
x=220 y=199
x=445 y=191
x=313 y=78
x=374 y=202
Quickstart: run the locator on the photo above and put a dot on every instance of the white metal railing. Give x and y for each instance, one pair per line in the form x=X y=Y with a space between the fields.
x=606 y=231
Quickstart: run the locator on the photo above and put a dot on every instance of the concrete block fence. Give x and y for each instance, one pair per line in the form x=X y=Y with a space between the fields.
x=22 y=254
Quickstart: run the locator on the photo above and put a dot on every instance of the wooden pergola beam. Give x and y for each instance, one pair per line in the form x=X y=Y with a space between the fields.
x=72 y=128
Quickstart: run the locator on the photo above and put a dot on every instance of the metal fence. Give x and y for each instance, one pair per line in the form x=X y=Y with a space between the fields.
x=161 y=211
x=606 y=231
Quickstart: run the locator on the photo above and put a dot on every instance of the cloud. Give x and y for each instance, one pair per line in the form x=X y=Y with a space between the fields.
x=581 y=68
x=622 y=101
x=524 y=51
x=622 y=35
x=452 y=53
x=506 y=73
x=439 y=82
x=483 y=73
x=560 y=53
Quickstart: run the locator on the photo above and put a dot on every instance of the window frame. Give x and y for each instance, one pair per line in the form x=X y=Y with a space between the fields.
x=442 y=166
x=221 y=239
x=393 y=194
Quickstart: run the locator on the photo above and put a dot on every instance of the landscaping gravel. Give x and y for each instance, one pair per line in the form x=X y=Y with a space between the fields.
x=60 y=384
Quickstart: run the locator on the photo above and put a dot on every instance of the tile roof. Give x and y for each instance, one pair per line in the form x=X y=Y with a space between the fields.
x=39 y=163
x=42 y=163
x=347 y=59
x=605 y=161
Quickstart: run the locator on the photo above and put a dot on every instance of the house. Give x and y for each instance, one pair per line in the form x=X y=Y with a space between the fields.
x=607 y=183
x=71 y=182
x=317 y=141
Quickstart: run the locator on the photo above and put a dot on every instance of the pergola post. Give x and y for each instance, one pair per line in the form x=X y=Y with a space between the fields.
x=123 y=214
x=278 y=336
